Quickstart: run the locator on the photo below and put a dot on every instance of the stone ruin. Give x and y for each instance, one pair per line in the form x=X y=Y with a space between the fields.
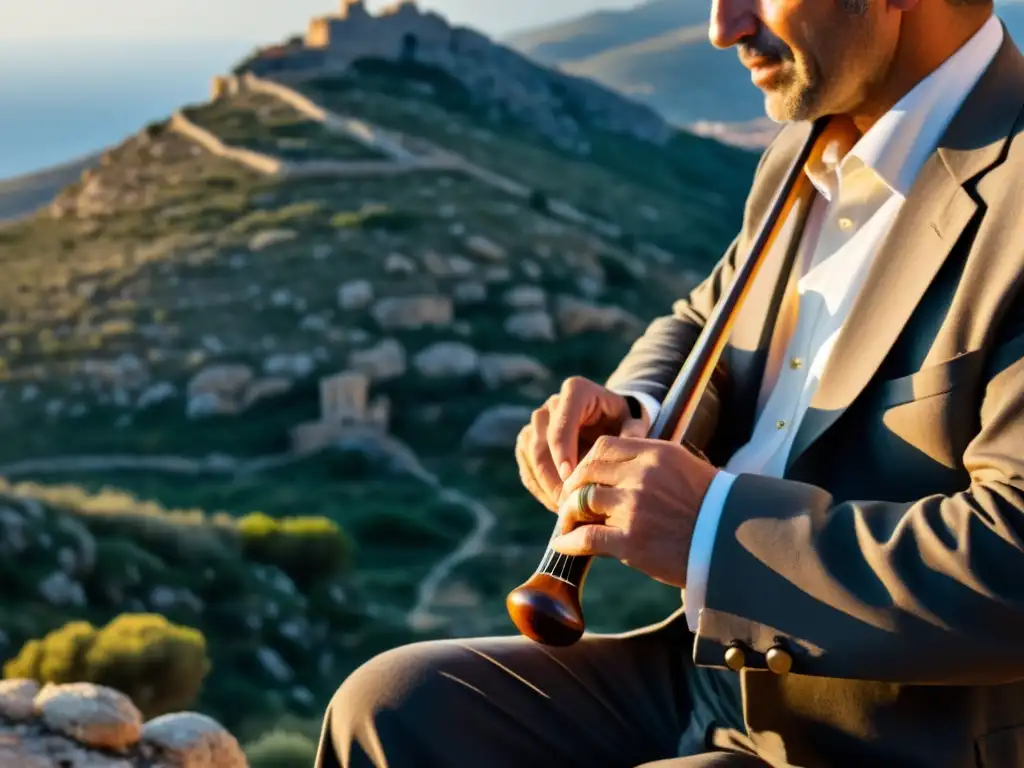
x=344 y=405
x=400 y=32
x=495 y=75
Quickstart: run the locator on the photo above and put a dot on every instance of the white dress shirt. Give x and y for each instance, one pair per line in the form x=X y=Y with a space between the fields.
x=859 y=198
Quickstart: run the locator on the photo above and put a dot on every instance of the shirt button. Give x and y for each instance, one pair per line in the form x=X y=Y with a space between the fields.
x=796 y=363
x=845 y=223
x=780 y=424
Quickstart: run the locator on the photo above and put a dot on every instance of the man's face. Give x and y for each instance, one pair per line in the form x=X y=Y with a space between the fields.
x=809 y=57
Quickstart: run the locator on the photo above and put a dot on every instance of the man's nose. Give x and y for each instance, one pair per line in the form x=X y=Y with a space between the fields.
x=731 y=21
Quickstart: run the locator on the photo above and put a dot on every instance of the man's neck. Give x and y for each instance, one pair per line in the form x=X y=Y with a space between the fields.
x=919 y=53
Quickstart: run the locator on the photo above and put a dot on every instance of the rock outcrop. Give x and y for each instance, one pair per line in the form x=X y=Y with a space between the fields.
x=81 y=725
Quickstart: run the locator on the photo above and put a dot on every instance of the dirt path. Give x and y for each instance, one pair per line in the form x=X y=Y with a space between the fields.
x=401 y=457
x=389 y=143
x=421 y=615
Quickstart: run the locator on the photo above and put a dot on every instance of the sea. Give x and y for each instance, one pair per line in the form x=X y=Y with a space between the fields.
x=62 y=101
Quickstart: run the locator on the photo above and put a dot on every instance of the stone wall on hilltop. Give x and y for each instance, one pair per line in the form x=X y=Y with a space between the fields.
x=550 y=101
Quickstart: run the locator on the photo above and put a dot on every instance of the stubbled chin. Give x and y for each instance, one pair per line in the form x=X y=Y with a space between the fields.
x=776 y=107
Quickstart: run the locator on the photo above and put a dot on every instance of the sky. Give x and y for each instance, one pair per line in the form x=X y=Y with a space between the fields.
x=34 y=21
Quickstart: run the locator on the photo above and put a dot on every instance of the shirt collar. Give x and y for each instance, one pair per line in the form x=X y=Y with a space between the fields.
x=899 y=143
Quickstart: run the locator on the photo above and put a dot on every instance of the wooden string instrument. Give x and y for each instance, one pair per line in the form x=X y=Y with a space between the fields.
x=546 y=607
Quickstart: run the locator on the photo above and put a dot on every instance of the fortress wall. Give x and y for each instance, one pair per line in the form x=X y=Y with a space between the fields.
x=355 y=129
x=204 y=138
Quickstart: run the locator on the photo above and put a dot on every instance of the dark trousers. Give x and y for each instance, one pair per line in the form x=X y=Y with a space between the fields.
x=614 y=701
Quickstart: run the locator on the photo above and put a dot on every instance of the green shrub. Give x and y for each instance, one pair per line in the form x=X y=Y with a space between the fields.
x=256 y=528
x=538 y=201
x=155 y=129
x=281 y=749
x=117 y=558
x=58 y=658
x=63 y=657
x=27 y=663
x=306 y=548
x=160 y=665
x=375 y=217
x=620 y=272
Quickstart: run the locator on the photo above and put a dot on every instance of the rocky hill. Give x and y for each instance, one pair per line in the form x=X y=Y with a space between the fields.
x=591 y=33
x=262 y=366
x=658 y=53
x=499 y=81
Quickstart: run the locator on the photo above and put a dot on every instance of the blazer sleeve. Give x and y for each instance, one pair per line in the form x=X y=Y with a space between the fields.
x=925 y=592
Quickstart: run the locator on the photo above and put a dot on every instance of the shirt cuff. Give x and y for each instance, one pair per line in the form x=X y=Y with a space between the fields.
x=650 y=405
x=698 y=565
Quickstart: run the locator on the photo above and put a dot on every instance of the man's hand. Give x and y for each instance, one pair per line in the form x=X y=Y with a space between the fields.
x=643 y=509
x=565 y=427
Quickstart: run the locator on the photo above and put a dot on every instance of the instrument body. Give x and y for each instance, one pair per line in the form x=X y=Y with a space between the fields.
x=547 y=607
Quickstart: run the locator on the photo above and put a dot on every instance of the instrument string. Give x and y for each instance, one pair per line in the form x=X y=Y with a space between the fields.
x=560 y=566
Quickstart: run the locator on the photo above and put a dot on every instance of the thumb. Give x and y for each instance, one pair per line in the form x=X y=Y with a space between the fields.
x=634 y=428
x=588 y=540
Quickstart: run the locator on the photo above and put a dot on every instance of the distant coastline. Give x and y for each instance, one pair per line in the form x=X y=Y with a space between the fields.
x=66 y=109
x=23 y=195
x=68 y=103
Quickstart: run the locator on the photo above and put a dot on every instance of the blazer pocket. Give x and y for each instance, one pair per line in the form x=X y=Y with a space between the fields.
x=932 y=380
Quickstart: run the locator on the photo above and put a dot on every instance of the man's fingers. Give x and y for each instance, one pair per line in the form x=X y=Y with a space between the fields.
x=604 y=464
x=590 y=540
x=601 y=502
x=543 y=467
x=567 y=415
x=634 y=428
x=530 y=482
x=581 y=402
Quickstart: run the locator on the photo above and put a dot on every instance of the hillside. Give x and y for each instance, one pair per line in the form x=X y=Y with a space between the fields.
x=718 y=87
x=177 y=439
x=599 y=31
x=1012 y=14
x=653 y=53
x=658 y=53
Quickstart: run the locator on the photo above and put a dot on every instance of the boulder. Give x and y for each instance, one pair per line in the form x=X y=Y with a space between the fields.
x=488 y=249
x=578 y=316
x=93 y=715
x=355 y=294
x=497 y=428
x=17 y=699
x=498 y=369
x=525 y=297
x=412 y=312
x=193 y=740
x=530 y=325
x=384 y=360
x=446 y=359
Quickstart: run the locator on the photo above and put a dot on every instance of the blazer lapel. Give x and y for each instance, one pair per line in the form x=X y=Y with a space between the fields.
x=929 y=224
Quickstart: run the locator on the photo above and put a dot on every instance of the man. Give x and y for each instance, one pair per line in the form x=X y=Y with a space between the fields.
x=852 y=554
